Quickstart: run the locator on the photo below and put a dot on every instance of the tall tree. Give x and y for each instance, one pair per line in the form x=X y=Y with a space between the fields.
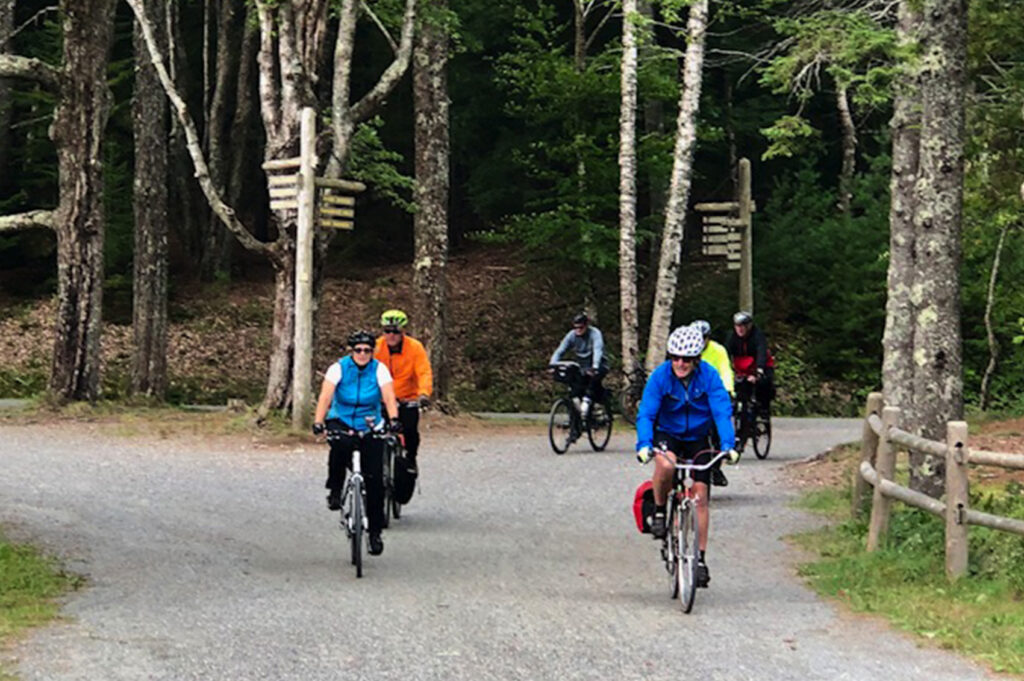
x=291 y=39
x=430 y=224
x=930 y=338
x=149 y=278
x=77 y=131
x=679 y=188
x=6 y=32
x=627 y=194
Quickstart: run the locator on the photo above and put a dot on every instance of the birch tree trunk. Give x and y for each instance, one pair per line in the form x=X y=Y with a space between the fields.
x=679 y=189
x=993 y=345
x=430 y=224
x=6 y=28
x=149 y=288
x=849 y=167
x=627 y=195
x=897 y=340
x=77 y=132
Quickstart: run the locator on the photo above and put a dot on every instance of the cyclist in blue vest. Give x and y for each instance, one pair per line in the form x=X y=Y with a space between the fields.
x=682 y=398
x=353 y=389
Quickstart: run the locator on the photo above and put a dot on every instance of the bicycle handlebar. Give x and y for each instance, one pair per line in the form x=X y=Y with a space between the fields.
x=721 y=454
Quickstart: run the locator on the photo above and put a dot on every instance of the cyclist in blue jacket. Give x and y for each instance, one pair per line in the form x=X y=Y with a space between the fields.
x=682 y=398
x=353 y=390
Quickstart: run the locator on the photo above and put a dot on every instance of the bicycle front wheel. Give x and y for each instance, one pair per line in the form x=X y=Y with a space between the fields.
x=687 y=563
x=762 y=437
x=356 y=518
x=389 y=483
x=560 y=426
x=670 y=549
x=599 y=426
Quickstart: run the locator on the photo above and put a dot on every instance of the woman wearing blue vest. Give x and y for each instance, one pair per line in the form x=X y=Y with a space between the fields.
x=353 y=389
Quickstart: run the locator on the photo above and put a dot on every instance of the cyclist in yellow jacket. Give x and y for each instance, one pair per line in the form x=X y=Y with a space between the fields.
x=717 y=356
x=406 y=359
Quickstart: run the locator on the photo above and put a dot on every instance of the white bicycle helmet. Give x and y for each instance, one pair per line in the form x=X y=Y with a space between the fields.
x=703 y=326
x=686 y=341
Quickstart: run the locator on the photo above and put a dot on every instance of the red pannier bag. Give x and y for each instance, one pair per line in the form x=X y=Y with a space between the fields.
x=643 y=506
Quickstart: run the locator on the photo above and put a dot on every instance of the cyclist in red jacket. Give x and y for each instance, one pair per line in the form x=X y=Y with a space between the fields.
x=752 y=361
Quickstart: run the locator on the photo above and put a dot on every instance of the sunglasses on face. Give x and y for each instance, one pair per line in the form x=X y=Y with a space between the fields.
x=579 y=327
x=685 y=360
x=362 y=351
x=392 y=331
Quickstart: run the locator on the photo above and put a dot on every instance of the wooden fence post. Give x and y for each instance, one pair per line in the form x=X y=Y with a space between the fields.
x=302 y=361
x=885 y=464
x=956 y=499
x=868 y=447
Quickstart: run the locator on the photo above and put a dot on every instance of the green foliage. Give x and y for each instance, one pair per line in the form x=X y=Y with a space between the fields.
x=379 y=167
x=824 y=273
x=981 y=615
x=29 y=585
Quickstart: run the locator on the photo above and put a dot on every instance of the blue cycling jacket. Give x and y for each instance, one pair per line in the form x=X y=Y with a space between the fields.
x=685 y=411
x=357 y=394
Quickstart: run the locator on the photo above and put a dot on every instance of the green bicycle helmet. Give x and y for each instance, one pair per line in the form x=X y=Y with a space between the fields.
x=394 y=318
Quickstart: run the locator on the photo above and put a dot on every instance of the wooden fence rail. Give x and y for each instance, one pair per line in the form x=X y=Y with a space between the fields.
x=879 y=441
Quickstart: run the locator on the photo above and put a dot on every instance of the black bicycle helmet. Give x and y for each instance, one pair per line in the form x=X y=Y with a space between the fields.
x=361 y=338
x=580 y=318
x=742 y=317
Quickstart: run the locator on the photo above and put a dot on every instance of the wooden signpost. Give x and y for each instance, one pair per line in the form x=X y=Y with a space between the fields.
x=727 y=232
x=293 y=186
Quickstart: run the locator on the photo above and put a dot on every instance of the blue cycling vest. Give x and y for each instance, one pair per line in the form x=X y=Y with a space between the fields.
x=357 y=394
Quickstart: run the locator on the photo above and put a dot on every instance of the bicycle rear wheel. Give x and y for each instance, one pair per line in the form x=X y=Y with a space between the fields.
x=762 y=437
x=560 y=426
x=599 y=426
x=687 y=564
x=389 y=483
x=356 y=518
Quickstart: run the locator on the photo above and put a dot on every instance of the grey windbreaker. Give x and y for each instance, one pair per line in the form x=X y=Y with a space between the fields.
x=589 y=348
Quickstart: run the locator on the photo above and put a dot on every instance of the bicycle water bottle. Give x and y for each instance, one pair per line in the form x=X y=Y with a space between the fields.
x=585 y=406
x=576 y=403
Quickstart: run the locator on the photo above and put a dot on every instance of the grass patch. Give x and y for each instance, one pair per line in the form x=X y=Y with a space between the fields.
x=29 y=586
x=981 y=616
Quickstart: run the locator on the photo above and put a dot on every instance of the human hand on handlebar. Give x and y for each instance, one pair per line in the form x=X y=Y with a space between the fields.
x=733 y=457
x=643 y=455
x=319 y=428
x=424 y=401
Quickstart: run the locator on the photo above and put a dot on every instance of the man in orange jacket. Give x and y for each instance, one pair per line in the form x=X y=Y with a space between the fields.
x=406 y=359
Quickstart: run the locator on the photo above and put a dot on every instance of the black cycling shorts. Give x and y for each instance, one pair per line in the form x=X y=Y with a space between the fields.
x=684 y=449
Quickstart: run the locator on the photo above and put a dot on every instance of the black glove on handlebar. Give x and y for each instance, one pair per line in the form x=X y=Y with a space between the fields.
x=395 y=426
x=319 y=428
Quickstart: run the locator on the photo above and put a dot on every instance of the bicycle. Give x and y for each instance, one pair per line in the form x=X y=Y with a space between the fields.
x=679 y=548
x=751 y=423
x=354 y=520
x=631 y=392
x=396 y=450
x=567 y=421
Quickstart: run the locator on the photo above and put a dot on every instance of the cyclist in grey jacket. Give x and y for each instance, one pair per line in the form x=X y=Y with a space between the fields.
x=587 y=344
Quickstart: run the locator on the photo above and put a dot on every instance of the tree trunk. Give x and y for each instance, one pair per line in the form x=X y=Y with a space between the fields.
x=430 y=224
x=627 y=195
x=184 y=209
x=993 y=345
x=849 y=149
x=938 y=350
x=226 y=83
x=897 y=341
x=654 y=124
x=679 y=189
x=243 y=173
x=149 y=311
x=6 y=28
x=77 y=131
x=279 y=374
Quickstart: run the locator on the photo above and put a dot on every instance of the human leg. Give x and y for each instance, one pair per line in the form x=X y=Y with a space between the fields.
x=338 y=460
x=410 y=418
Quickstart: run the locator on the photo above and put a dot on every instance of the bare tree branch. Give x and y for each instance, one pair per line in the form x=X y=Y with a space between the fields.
x=600 y=25
x=27 y=68
x=34 y=219
x=383 y=29
x=221 y=209
x=394 y=72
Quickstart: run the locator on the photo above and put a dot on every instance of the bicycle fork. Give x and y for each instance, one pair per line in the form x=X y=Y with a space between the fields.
x=357 y=474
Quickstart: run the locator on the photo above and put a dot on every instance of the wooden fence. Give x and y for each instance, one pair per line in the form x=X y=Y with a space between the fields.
x=882 y=440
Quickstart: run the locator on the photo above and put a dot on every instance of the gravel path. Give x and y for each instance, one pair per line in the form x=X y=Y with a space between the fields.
x=215 y=560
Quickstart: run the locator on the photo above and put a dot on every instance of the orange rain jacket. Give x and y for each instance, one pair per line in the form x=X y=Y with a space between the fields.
x=410 y=368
